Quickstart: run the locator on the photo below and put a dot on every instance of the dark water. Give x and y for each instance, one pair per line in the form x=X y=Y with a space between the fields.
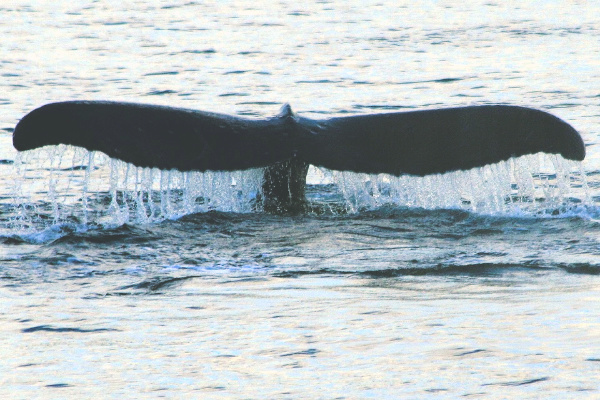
x=370 y=301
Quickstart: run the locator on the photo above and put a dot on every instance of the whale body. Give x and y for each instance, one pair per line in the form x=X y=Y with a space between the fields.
x=402 y=143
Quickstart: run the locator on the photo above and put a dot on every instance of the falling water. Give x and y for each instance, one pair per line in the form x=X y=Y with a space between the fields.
x=533 y=184
x=73 y=184
x=81 y=186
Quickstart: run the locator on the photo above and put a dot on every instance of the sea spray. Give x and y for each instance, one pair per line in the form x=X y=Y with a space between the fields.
x=531 y=184
x=58 y=184
x=95 y=188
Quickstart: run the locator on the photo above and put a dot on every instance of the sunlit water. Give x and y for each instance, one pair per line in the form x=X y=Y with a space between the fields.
x=120 y=282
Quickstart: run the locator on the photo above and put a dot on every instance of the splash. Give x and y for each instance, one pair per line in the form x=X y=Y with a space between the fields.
x=63 y=184
x=58 y=184
x=528 y=185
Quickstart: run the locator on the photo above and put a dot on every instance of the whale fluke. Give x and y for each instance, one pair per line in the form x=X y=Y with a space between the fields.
x=437 y=141
x=157 y=136
x=414 y=143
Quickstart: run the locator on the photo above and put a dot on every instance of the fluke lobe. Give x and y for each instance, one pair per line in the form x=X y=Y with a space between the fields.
x=402 y=143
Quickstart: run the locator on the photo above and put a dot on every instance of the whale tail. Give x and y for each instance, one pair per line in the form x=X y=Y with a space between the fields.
x=404 y=143
x=156 y=136
x=437 y=141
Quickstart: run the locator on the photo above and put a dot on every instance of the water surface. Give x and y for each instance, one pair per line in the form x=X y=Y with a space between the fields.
x=375 y=301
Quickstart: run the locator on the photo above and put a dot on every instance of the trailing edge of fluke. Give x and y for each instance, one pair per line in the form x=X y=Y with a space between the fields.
x=414 y=143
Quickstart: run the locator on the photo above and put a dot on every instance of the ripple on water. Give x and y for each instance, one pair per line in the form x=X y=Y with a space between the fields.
x=375 y=293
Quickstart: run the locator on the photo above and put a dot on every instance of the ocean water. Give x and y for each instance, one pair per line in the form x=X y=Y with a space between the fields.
x=116 y=283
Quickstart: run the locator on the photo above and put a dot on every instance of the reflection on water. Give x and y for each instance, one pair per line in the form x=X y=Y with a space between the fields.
x=311 y=337
x=382 y=302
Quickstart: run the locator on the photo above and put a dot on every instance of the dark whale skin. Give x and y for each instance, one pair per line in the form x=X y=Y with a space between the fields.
x=416 y=143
